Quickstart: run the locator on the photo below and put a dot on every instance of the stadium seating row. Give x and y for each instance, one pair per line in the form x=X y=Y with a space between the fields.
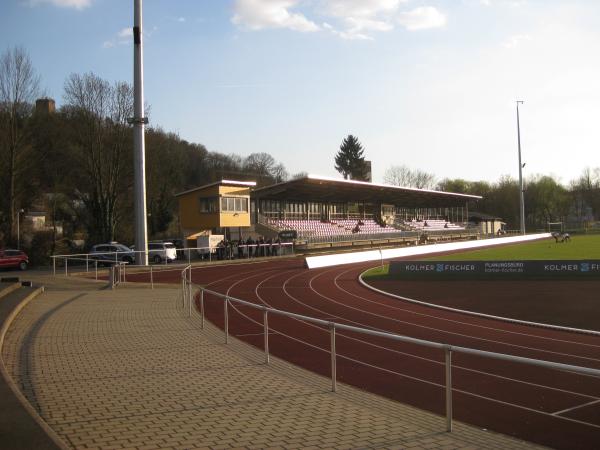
x=312 y=228
x=347 y=227
x=432 y=224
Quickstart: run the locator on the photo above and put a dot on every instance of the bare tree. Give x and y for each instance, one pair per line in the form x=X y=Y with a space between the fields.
x=19 y=86
x=585 y=191
x=102 y=144
x=264 y=167
x=280 y=173
x=407 y=177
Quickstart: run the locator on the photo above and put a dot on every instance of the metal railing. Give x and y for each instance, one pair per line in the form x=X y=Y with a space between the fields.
x=188 y=289
x=116 y=274
x=88 y=262
x=393 y=235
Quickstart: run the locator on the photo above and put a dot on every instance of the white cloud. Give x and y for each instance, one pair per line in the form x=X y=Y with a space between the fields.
x=361 y=8
x=422 y=18
x=125 y=33
x=122 y=37
x=261 y=14
x=516 y=40
x=350 y=19
x=76 y=4
x=181 y=19
x=360 y=17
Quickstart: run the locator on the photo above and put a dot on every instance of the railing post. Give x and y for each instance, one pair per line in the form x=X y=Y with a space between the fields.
x=87 y=263
x=66 y=266
x=53 y=266
x=333 y=358
x=189 y=252
x=202 y=309
x=448 y=352
x=190 y=292
x=111 y=277
x=266 y=333
x=96 y=266
x=226 y=315
x=151 y=278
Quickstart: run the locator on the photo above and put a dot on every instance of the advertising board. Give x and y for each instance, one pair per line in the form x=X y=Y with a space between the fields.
x=579 y=269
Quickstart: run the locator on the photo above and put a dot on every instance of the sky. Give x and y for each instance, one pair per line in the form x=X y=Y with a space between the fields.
x=429 y=84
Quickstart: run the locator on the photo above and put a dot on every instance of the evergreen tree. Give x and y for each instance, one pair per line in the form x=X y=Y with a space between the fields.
x=349 y=161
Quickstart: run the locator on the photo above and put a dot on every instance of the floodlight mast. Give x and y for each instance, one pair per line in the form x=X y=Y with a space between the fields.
x=521 y=190
x=139 y=121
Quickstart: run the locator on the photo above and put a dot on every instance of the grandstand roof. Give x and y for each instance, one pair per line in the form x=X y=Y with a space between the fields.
x=317 y=188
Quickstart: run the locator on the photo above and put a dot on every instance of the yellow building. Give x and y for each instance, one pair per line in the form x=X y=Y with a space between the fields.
x=214 y=208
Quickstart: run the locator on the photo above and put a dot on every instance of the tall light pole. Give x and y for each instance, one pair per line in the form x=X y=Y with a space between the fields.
x=139 y=151
x=521 y=191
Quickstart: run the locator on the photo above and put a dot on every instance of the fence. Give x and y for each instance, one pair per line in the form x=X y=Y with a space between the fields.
x=189 y=289
x=92 y=261
x=116 y=274
x=434 y=235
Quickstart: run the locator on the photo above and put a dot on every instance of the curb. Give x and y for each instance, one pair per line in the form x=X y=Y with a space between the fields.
x=7 y=290
x=52 y=435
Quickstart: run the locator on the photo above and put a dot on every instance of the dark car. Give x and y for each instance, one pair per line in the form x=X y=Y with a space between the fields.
x=112 y=252
x=14 y=259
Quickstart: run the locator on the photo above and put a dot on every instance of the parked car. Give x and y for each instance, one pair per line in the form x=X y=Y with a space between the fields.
x=14 y=259
x=162 y=251
x=179 y=247
x=112 y=252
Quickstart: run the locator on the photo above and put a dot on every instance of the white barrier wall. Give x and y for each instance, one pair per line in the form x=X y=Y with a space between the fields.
x=314 y=262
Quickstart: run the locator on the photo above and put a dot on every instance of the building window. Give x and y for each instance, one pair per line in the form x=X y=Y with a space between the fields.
x=234 y=204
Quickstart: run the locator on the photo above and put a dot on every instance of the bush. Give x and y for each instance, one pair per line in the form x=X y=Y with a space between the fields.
x=42 y=248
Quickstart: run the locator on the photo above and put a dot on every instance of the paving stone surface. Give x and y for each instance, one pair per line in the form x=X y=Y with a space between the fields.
x=128 y=369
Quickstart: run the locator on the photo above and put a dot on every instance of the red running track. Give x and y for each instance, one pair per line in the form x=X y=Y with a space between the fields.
x=556 y=409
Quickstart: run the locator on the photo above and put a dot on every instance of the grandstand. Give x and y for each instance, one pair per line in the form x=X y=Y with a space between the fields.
x=320 y=209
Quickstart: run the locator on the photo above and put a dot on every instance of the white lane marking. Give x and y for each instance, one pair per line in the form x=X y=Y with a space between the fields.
x=431 y=383
x=274 y=331
x=575 y=407
x=410 y=354
x=386 y=294
x=435 y=329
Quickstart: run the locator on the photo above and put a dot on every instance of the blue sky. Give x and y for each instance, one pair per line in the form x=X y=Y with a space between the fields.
x=429 y=84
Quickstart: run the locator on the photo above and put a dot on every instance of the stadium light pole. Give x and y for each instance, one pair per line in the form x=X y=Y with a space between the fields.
x=521 y=192
x=139 y=151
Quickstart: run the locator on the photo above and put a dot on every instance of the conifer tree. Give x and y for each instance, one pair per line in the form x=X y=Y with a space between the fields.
x=349 y=161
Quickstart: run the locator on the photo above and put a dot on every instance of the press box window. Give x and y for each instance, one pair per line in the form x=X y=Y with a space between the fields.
x=234 y=204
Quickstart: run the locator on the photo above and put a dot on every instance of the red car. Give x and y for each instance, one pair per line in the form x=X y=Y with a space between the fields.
x=14 y=258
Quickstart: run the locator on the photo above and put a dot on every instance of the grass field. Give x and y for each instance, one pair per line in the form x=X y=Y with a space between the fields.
x=580 y=247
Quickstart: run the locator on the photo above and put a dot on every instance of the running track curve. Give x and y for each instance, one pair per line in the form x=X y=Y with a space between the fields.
x=557 y=409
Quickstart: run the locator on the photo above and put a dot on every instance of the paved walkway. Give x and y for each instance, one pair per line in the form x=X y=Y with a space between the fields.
x=129 y=369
